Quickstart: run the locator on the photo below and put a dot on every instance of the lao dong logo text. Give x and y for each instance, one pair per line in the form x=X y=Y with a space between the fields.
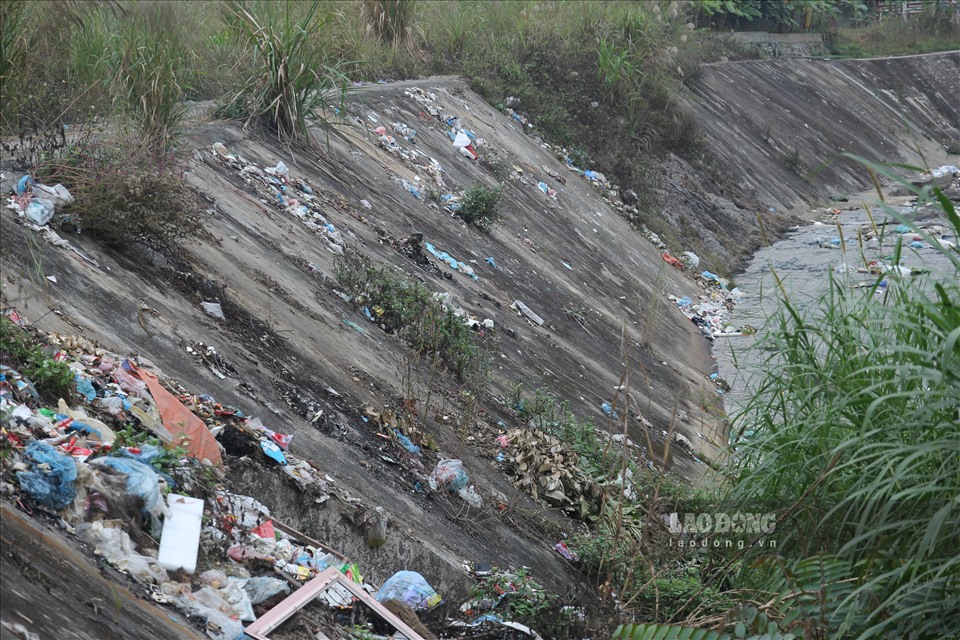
x=721 y=529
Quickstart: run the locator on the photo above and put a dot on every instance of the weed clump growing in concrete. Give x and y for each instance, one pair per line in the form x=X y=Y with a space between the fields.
x=414 y=313
x=480 y=206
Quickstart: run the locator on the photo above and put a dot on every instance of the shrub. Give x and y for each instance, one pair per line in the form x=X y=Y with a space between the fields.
x=125 y=193
x=479 y=205
x=411 y=310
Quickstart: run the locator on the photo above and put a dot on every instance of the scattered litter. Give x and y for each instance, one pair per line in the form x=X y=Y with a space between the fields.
x=523 y=309
x=214 y=309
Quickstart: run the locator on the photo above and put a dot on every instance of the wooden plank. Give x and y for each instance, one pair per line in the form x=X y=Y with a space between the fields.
x=272 y=619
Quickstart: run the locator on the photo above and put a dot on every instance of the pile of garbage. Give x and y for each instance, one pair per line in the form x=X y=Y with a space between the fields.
x=293 y=196
x=711 y=310
x=132 y=458
x=136 y=452
x=36 y=203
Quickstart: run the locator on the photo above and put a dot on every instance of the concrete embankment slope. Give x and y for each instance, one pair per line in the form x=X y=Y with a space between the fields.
x=782 y=125
x=291 y=346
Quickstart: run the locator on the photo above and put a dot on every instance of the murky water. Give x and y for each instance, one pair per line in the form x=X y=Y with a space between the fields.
x=802 y=261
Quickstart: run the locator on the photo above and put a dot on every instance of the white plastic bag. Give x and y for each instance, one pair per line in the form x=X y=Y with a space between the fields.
x=40 y=211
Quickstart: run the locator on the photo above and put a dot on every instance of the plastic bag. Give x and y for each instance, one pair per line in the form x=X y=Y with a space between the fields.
x=93 y=427
x=142 y=481
x=52 y=487
x=57 y=194
x=213 y=577
x=220 y=626
x=150 y=419
x=410 y=588
x=130 y=384
x=114 y=544
x=236 y=596
x=264 y=588
x=449 y=474
x=40 y=211
x=377 y=527
x=471 y=497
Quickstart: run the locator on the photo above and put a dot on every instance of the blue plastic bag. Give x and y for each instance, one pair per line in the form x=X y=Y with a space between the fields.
x=54 y=488
x=85 y=387
x=142 y=481
x=410 y=588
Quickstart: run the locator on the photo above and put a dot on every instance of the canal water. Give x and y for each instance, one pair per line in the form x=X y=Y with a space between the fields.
x=840 y=241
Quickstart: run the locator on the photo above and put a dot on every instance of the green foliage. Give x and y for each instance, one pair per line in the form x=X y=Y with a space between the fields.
x=748 y=625
x=518 y=597
x=288 y=83
x=479 y=205
x=855 y=445
x=14 y=40
x=412 y=311
x=52 y=380
x=933 y=30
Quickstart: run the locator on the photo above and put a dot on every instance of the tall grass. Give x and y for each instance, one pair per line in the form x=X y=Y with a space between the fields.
x=149 y=75
x=391 y=20
x=857 y=449
x=288 y=83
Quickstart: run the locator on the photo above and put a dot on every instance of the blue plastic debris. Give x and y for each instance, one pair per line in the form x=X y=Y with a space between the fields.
x=608 y=409
x=25 y=182
x=446 y=257
x=492 y=262
x=142 y=480
x=902 y=228
x=684 y=302
x=916 y=244
x=85 y=387
x=543 y=187
x=76 y=425
x=353 y=325
x=706 y=275
x=366 y=312
x=51 y=485
x=407 y=443
x=273 y=452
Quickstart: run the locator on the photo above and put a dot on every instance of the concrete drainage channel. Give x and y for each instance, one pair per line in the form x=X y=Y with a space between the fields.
x=291 y=351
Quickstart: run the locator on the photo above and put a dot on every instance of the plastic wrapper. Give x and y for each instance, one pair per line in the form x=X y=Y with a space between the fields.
x=220 y=626
x=142 y=481
x=263 y=588
x=114 y=544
